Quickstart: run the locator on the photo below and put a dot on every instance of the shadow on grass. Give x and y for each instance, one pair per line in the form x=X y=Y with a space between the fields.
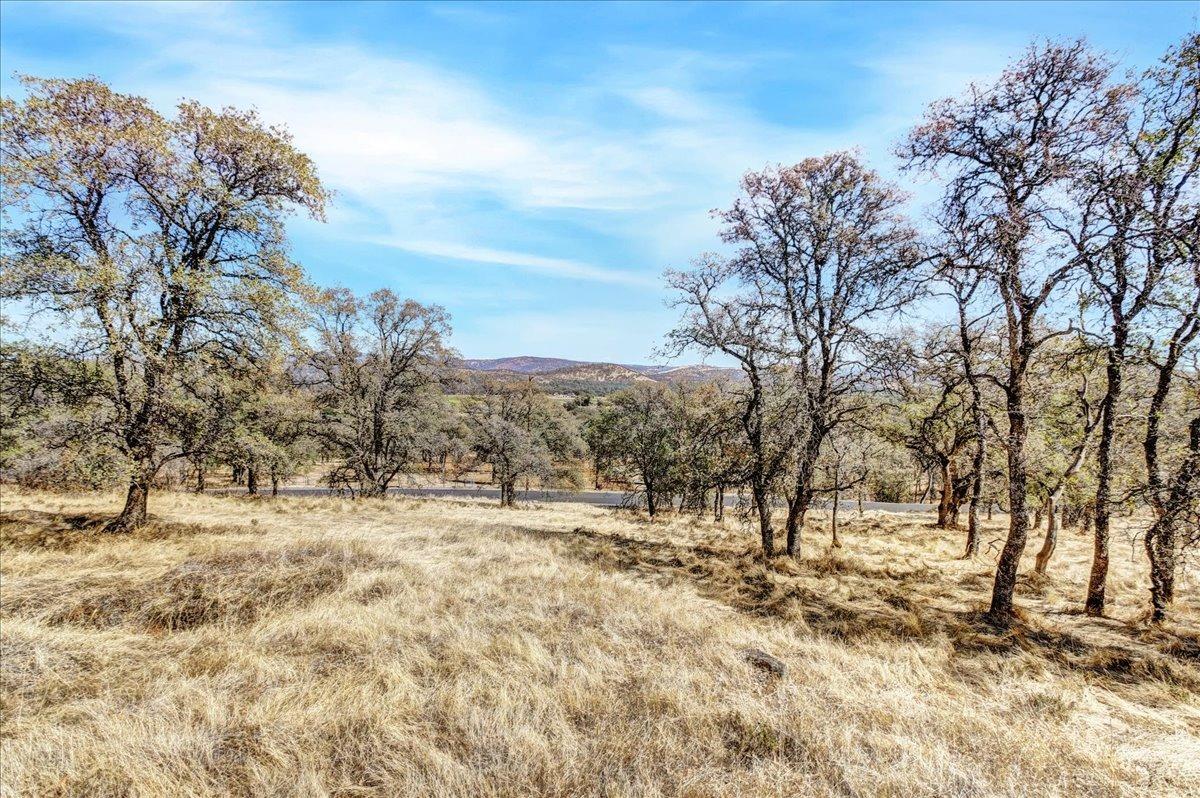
x=37 y=529
x=853 y=601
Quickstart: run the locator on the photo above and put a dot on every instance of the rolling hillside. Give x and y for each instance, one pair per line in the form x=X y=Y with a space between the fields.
x=578 y=375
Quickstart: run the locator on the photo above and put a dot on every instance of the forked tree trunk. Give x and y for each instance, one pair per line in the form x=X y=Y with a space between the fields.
x=1162 y=548
x=719 y=503
x=508 y=493
x=802 y=495
x=1051 y=540
x=795 y=524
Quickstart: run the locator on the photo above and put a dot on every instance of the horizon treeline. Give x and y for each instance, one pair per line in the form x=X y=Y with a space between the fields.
x=180 y=338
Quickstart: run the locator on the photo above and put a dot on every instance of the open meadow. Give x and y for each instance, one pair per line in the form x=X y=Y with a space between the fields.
x=314 y=647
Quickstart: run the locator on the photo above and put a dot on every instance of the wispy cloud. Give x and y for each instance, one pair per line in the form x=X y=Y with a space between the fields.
x=551 y=267
x=406 y=137
x=603 y=175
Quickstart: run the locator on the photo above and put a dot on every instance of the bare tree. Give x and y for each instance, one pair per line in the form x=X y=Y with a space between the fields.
x=830 y=252
x=964 y=284
x=1136 y=225
x=841 y=471
x=742 y=326
x=1009 y=148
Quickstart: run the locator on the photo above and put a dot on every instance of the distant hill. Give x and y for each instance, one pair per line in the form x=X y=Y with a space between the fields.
x=695 y=373
x=599 y=372
x=560 y=374
x=522 y=364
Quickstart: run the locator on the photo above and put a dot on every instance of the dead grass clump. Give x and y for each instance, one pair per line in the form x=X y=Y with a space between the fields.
x=377 y=590
x=235 y=587
x=749 y=740
x=222 y=587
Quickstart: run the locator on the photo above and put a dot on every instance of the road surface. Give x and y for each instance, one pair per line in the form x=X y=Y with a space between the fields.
x=599 y=498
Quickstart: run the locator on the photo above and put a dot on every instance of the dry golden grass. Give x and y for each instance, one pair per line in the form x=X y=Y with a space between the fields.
x=315 y=647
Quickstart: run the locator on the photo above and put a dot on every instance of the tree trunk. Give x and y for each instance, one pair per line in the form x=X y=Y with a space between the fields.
x=802 y=492
x=1001 y=610
x=274 y=484
x=252 y=481
x=763 y=505
x=946 y=500
x=1161 y=540
x=1051 y=540
x=651 y=506
x=977 y=463
x=134 y=513
x=1102 y=512
x=719 y=504
x=978 y=420
x=201 y=478
x=833 y=518
x=1162 y=549
x=795 y=527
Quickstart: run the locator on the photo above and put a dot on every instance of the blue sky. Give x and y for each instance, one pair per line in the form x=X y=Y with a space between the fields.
x=534 y=168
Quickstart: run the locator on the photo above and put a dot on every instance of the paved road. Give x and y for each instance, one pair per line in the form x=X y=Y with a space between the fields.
x=600 y=498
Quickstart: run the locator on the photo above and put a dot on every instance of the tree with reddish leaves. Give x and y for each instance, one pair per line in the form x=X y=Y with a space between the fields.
x=1136 y=234
x=1009 y=151
x=827 y=247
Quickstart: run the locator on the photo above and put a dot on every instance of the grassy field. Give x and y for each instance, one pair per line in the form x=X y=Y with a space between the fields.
x=310 y=647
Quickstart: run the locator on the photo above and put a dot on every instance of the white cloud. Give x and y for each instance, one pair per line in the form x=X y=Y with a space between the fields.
x=416 y=150
x=554 y=267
